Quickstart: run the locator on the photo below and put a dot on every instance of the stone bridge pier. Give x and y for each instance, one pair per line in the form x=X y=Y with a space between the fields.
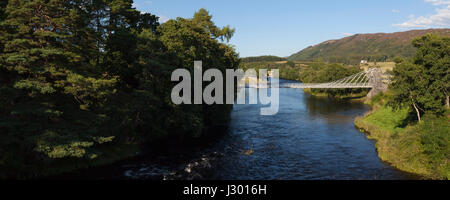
x=376 y=80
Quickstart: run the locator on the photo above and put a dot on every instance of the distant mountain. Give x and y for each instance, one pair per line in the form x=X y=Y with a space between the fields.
x=372 y=47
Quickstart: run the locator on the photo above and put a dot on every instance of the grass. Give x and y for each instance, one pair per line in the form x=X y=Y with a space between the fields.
x=419 y=148
x=387 y=119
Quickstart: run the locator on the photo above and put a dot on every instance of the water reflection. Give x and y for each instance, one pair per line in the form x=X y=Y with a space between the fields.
x=331 y=109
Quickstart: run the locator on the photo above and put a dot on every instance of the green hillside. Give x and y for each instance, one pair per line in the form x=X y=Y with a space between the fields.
x=371 y=47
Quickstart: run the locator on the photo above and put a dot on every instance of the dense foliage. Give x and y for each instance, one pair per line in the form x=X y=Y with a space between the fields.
x=79 y=77
x=424 y=81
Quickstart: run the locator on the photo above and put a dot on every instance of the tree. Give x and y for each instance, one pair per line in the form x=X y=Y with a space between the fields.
x=51 y=95
x=199 y=38
x=398 y=59
x=202 y=18
x=409 y=87
x=290 y=64
x=77 y=74
x=423 y=82
x=433 y=53
x=2 y=9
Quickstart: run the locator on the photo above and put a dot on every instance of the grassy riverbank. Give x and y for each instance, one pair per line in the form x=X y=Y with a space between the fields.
x=421 y=148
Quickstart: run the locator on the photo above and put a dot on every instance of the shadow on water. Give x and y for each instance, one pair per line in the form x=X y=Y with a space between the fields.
x=327 y=105
x=333 y=110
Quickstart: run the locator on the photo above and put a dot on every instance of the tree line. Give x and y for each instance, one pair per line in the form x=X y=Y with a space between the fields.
x=262 y=59
x=78 y=77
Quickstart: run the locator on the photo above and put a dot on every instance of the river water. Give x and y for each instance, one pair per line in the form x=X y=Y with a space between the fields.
x=310 y=138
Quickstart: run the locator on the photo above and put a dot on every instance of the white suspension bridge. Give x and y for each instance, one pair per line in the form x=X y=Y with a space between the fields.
x=371 y=78
x=364 y=79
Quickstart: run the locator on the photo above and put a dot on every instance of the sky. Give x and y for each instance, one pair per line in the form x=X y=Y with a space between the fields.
x=284 y=27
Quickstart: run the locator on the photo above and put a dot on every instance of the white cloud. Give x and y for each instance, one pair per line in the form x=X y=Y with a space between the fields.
x=346 y=34
x=438 y=2
x=163 y=19
x=395 y=11
x=441 y=19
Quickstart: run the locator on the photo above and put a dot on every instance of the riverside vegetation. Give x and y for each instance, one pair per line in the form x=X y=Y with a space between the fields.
x=411 y=121
x=88 y=82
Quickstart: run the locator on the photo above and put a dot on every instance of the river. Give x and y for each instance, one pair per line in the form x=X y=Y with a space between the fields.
x=310 y=138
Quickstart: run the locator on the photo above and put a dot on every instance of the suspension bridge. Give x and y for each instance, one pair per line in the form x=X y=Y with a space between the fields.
x=365 y=79
x=372 y=78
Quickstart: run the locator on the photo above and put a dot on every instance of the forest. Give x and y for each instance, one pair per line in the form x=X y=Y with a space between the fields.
x=88 y=82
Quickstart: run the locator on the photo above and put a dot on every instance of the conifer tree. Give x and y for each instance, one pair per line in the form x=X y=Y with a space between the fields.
x=51 y=96
x=78 y=74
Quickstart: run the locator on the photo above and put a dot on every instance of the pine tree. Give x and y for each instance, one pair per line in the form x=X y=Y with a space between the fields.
x=76 y=74
x=51 y=96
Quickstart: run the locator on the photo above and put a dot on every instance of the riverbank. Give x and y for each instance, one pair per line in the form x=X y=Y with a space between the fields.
x=109 y=154
x=420 y=148
x=115 y=153
x=186 y=159
x=198 y=165
x=351 y=96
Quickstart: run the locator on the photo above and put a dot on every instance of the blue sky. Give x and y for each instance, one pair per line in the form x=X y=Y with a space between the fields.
x=284 y=27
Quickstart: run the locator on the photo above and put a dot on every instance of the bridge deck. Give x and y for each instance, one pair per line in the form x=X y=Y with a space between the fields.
x=324 y=85
x=364 y=79
x=315 y=86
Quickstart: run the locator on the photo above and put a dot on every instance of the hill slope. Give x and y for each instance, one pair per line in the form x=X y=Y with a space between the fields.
x=372 y=47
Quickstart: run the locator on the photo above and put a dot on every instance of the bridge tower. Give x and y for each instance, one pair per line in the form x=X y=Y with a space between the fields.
x=376 y=81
